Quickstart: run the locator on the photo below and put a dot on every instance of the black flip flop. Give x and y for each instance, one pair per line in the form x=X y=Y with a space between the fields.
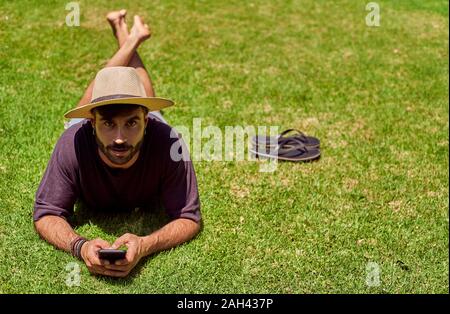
x=296 y=152
x=271 y=141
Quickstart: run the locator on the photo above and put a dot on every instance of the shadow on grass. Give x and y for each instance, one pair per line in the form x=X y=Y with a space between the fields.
x=139 y=222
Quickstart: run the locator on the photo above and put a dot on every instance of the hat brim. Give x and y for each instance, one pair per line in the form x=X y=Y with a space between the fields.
x=151 y=103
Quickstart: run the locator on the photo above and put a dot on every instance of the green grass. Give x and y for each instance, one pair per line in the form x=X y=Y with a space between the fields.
x=377 y=97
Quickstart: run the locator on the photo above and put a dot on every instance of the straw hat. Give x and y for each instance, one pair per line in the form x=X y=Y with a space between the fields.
x=118 y=85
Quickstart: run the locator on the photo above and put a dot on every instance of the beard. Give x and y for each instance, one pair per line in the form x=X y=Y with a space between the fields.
x=108 y=150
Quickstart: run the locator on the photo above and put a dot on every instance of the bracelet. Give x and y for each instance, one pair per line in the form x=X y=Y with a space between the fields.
x=75 y=246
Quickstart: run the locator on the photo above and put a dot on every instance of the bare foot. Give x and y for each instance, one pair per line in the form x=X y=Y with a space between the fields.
x=114 y=17
x=140 y=31
x=117 y=21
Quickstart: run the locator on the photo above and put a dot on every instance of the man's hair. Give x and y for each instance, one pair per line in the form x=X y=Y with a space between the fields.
x=111 y=111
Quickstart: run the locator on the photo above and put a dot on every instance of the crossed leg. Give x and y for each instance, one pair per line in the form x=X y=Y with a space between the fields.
x=120 y=30
x=127 y=54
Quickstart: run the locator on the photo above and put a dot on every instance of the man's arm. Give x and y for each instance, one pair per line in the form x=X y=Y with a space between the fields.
x=174 y=233
x=56 y=230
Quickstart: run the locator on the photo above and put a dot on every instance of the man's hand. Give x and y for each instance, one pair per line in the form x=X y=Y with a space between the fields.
x=89 y=253
x=134 y=254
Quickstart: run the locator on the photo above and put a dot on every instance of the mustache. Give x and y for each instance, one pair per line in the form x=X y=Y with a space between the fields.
x=119 y=147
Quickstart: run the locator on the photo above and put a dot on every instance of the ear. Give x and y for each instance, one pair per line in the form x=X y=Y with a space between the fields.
x=92 y=120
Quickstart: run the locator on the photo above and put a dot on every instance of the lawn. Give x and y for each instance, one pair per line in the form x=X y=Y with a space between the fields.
x=377 y=97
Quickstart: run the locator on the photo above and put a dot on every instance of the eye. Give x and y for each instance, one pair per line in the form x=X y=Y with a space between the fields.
x=132 y=123
x=108 y=124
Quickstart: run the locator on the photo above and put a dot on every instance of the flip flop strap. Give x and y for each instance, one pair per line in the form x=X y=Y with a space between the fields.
x=299 y=145
x=299 y=134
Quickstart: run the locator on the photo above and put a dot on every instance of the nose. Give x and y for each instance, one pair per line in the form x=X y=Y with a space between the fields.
x=119 y=141
x=119 y=138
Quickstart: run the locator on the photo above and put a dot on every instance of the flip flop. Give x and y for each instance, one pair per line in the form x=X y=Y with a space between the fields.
x=296 y=152
x=271 y=141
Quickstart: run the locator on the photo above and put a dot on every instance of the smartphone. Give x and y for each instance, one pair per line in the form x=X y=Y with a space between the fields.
x=111 y=255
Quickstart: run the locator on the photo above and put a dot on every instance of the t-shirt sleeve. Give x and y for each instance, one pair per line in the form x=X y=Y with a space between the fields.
x=57 y=192
x=179 y=189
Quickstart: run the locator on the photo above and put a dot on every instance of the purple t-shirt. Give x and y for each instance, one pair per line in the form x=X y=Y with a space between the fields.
x=76 y=172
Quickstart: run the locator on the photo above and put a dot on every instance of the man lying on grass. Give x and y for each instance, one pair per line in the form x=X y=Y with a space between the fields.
x=118 y=157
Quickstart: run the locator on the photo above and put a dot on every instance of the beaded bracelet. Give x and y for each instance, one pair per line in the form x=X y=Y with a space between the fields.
x=75 y=246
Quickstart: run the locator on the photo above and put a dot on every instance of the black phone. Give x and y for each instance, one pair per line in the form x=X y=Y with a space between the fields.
x=112 y=255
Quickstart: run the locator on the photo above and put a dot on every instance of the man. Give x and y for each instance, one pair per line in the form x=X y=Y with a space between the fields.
x=118 y=157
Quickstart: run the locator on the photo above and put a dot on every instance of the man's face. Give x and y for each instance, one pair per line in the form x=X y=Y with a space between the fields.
x=120 y=138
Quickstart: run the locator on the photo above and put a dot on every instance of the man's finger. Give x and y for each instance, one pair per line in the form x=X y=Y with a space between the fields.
x=120 y=241
x=114 y=273
x=93 y=256
x=101 y=243
x=109 y=272
x=104 y=262
x=123 y=261
x=131 y=253
x=122 y=268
